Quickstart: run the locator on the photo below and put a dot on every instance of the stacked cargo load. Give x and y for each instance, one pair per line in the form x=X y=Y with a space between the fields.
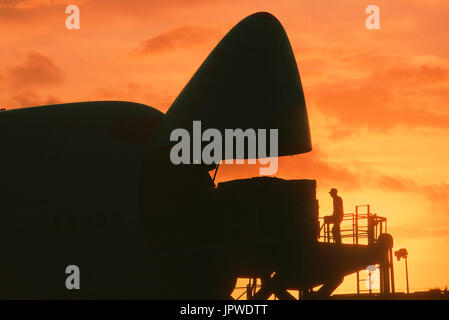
x=270 y=209
x=266 y=221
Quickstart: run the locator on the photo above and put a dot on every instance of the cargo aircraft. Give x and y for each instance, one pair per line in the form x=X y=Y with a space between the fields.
x=91 y=185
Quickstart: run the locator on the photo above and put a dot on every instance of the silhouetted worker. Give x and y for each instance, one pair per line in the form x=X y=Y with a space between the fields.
x=337 y=217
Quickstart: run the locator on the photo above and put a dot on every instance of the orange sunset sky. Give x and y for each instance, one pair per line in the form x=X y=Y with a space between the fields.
x=377 y=99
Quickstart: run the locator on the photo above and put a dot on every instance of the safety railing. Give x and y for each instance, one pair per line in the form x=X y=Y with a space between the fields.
x=362 y=227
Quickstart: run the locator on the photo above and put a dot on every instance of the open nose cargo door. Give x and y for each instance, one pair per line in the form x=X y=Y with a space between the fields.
x=249 y=80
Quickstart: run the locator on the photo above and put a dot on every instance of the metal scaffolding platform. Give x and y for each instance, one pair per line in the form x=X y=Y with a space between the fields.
x=362 y=227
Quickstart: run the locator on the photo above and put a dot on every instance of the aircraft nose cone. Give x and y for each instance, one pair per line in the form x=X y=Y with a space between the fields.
x=262 y=14
x=249 y=80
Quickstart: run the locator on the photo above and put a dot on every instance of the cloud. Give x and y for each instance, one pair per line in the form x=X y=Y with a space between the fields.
x=183 y=37
x=26 y=98
x=52 y=100
x=30 y=4
x=410 y=232
x=142 y=93
x=313 y=165
x=317 y=165
x=349 y=176
x=438 y=194
x=27 y=81
x=420 y=232
x=400 y=95
x=394 y=183
x=416 y=75
x=36 y=70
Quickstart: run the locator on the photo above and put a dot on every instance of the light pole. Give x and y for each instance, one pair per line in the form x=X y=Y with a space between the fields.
x=402 y=253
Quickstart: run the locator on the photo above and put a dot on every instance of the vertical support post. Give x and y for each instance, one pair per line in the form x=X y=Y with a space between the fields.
x=358 y=283
x=385 y=273
x=381 y=279
x=353 y=229
x=369 y=279
x=391 y=270
x=371 y=231
x=325 y=233
x=251 y=288
x=356 y=225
